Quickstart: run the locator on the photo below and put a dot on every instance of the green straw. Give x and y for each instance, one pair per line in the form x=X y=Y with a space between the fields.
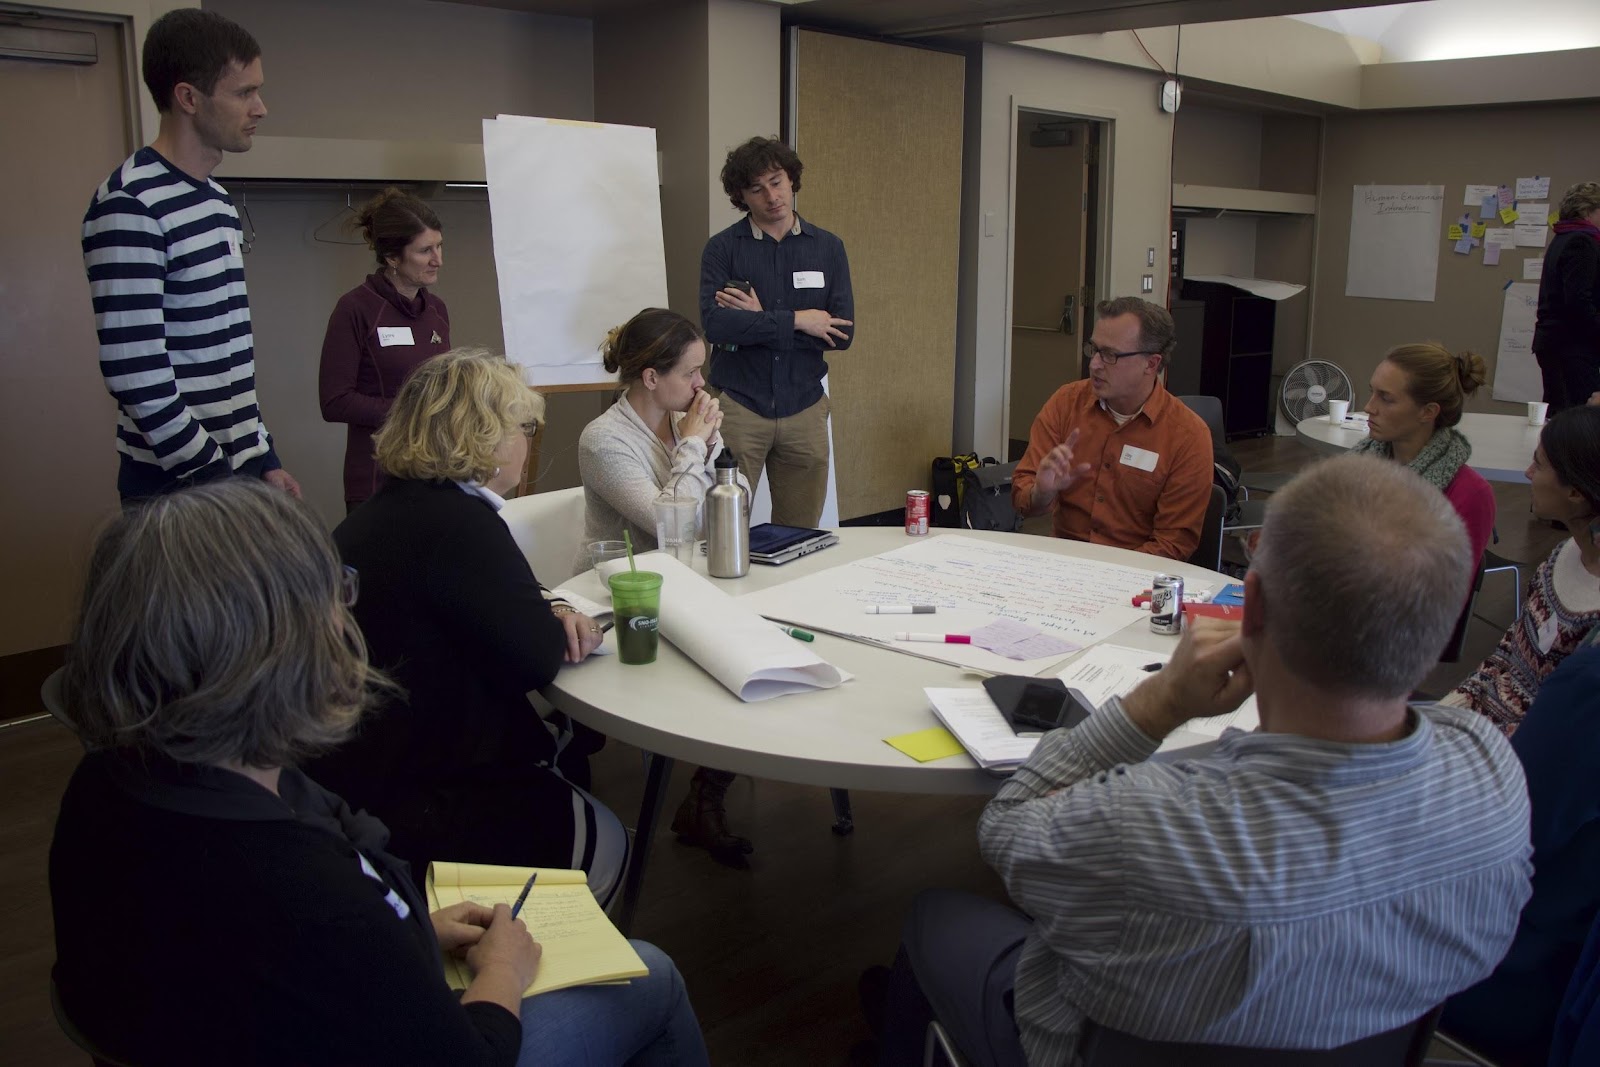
x=627 y=539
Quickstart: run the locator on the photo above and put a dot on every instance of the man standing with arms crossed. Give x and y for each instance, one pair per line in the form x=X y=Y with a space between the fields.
x=774 y=295
x=162 y=247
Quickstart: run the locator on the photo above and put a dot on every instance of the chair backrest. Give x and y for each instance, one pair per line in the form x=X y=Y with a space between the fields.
x=1208 y=553
x=1452 y=648
x=1208 y=408
x=548 y=527
x=1404 y=1046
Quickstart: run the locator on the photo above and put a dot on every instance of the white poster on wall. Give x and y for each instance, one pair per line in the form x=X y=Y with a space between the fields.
x=1516 y=374
x=576 y=215
x=1394 y=241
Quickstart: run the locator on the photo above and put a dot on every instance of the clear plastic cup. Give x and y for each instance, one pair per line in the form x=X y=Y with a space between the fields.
x=600 y=551
x=677 y=526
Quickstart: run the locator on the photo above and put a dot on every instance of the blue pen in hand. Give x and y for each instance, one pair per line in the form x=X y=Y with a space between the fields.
x=522 y=897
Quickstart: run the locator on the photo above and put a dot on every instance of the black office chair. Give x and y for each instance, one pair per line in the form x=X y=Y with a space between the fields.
x=1452 y=648
x=1404 y=1046
x=1208 y=553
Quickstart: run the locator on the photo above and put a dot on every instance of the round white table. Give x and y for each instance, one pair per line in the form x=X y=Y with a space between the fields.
x=1502 y=445
x=673 y=710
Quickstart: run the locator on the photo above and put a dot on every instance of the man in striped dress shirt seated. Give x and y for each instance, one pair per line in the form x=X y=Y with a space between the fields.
x=163 y=249
x=1334 y=875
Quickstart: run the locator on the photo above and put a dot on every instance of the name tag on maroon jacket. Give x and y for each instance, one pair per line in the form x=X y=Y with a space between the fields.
x=389 y=336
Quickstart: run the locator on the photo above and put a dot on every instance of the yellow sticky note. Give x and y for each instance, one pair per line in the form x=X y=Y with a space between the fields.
x=1508 y=215
x=1554 y=218
x=924 y=745
x=1479 y=228
x=1454 y=233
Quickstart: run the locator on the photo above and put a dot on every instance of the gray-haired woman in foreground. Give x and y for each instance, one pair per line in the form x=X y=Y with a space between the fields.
x=214 y=905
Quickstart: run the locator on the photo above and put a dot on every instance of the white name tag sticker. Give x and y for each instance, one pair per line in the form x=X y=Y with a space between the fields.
x=1549 y=630
x=809 y=279
x=389 y=336
x=1139 y=458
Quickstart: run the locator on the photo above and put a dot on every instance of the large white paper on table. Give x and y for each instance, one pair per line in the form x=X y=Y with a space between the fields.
x=752 y=657
x=576 y=215
x=1516 y=372
x=971 y=583
x=1264 y=287
x=1394 y=241
x=1105 y=671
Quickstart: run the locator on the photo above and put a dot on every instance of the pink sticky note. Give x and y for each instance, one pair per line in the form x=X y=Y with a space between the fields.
x=1491 y=255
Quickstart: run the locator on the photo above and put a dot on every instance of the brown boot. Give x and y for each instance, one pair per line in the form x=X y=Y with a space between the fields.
x=702 y=822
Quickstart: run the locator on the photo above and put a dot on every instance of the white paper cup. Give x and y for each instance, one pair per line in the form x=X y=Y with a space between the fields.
x=1337 y=410
x=1537 y=412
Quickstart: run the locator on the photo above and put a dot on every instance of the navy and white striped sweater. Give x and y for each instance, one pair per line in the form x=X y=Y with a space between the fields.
x=162 y=251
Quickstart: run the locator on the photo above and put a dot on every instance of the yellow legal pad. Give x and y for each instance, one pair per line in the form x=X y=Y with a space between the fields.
x=581 y=945
x=925 y=745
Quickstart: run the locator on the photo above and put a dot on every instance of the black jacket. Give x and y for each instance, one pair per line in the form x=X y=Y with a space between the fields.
x=200 y=919
x=1569 y=297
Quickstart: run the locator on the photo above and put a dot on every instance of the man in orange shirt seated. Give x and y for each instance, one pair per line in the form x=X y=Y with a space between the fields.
x=1120 y=460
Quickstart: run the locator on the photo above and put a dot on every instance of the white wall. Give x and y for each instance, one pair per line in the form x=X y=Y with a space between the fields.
x=744 y=81
x=1138 y=184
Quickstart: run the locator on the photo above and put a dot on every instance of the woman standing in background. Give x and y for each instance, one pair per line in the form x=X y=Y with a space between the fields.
x=1566 y=334
x=381 y=330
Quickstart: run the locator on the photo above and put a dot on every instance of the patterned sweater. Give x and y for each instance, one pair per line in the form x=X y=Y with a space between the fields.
x=1563 y=606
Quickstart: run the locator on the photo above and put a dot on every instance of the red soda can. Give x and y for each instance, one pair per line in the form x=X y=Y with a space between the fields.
x=917 y=511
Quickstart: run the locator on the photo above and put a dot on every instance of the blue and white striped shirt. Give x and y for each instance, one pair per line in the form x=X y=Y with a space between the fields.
x=162 y=251
x=1279 y=891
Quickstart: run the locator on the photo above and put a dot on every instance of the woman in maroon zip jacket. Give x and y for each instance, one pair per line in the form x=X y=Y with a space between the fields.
x=383 y=329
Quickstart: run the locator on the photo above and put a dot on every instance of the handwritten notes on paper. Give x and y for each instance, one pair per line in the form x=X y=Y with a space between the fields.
x=1477 y=194
x=973 y=583
x=1535 y=188
x=1105 y=671
x=1018 y=640
x=1516 y=374
x=1532 y=270
x=1394 y=250
x=1531 y=228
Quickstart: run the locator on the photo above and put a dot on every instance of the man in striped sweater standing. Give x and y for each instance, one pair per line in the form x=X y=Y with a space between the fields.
x=162 y=247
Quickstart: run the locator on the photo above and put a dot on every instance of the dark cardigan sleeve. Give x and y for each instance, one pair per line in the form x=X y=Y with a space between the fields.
x=491 y=597
x=1579 y=270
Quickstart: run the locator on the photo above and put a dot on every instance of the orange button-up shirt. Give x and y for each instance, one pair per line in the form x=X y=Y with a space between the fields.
x=1159 y=511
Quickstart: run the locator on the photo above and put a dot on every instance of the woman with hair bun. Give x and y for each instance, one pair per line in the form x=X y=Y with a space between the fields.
x=383 y=329
x=1418 y=392
x=662 y=431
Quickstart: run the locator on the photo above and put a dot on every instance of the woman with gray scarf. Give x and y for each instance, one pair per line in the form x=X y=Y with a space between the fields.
x=1418 y=391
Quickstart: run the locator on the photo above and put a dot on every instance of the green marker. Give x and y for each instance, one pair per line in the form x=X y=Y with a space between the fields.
x=797 y=633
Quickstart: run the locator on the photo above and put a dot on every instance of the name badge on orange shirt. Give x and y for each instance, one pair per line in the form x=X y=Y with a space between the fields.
x=1141 y=459
x=389 y=336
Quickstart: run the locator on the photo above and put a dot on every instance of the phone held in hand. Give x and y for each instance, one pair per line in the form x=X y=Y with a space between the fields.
x=1037 y=705
x=742 y=286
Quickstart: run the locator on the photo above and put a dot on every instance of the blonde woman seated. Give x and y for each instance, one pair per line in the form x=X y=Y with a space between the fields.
x=215 y=905
x=661 y=432
x=1418 y=392
x=1563 y=603
x=462 y=767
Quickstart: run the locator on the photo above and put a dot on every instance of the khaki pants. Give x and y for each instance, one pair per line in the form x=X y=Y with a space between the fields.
x=794 y=452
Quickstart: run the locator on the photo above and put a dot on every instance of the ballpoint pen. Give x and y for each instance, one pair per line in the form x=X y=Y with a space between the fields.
x=522 y=897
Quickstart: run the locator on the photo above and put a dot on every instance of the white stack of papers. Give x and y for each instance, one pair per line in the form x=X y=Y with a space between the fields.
x=1105 y=671
x=981 y=729
x=733 y=644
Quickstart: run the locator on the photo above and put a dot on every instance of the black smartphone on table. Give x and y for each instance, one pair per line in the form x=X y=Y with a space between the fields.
x=1037 y=705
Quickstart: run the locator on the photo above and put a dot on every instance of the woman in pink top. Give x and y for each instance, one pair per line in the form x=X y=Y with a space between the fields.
x=1418 y=392
x=383 y=329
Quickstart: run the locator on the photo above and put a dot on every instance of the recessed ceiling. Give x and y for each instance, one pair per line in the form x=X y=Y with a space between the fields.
x=1457 y=29
x=989 y=20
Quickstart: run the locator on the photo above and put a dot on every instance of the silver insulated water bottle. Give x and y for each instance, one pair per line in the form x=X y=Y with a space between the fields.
x=727 y=522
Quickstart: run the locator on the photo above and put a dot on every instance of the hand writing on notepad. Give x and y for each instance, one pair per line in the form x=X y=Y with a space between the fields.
x=1207 y=676
x=504 y=960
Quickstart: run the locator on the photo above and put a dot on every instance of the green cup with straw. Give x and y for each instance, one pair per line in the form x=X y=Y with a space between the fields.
x=636 y=610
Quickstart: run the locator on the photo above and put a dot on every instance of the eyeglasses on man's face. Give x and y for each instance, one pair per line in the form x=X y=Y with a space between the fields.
x=1108 y=357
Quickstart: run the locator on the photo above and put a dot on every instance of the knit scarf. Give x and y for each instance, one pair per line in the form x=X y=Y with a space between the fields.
x=1582 y=226
x=1446 y=452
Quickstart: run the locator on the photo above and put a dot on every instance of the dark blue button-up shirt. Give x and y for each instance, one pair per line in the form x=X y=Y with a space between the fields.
x=760 y=359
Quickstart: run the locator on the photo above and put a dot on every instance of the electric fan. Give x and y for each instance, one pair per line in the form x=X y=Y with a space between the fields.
x=1309 y=386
